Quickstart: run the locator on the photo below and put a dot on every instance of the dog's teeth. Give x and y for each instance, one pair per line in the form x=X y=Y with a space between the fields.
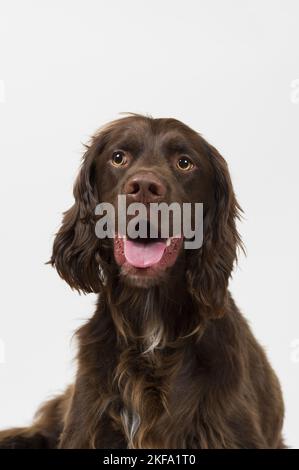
x=168 y=241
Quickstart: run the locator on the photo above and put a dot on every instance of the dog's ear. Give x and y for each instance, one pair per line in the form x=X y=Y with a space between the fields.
x=210 y=271
x=76 y=250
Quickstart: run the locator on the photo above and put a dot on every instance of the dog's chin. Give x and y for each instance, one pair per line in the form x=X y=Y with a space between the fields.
x=143 y=278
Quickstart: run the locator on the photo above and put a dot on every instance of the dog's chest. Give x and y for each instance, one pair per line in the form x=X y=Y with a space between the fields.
x=151 y=400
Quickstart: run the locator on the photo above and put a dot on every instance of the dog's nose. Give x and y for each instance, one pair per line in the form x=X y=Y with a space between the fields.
x=145 y=187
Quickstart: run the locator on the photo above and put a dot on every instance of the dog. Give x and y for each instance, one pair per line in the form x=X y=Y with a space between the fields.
x=167 y=360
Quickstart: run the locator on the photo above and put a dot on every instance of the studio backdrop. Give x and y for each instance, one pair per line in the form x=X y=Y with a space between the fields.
x=230 y=70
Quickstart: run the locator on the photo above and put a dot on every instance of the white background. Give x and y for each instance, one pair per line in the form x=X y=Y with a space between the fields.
x=228 y=68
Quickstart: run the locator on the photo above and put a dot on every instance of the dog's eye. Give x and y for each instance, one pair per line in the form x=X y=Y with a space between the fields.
x=119 y=158
x=184 y=163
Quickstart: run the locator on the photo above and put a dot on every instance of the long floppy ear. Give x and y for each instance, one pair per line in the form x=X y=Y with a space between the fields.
x=210 y=271
x=76 y=249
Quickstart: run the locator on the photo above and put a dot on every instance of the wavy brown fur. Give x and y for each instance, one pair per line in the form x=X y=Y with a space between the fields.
x=171 y=366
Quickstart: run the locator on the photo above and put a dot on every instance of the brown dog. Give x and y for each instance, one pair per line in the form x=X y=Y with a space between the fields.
x=167 y=360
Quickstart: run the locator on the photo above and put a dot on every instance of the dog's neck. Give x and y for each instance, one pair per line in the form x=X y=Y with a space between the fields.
x=153 y=317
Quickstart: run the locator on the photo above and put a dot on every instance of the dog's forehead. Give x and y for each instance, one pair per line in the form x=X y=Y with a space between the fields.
x=159 y=132
x=175 y=140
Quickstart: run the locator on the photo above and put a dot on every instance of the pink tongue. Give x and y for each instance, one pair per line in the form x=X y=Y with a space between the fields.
x=143 y=255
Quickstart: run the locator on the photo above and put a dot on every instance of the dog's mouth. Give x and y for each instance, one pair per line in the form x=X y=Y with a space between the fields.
x=146 y=255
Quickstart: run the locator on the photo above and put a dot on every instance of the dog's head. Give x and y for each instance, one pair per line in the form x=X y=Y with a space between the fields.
x=150 y=161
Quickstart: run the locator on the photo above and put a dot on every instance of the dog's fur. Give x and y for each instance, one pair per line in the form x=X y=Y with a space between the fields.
x=171 y=363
